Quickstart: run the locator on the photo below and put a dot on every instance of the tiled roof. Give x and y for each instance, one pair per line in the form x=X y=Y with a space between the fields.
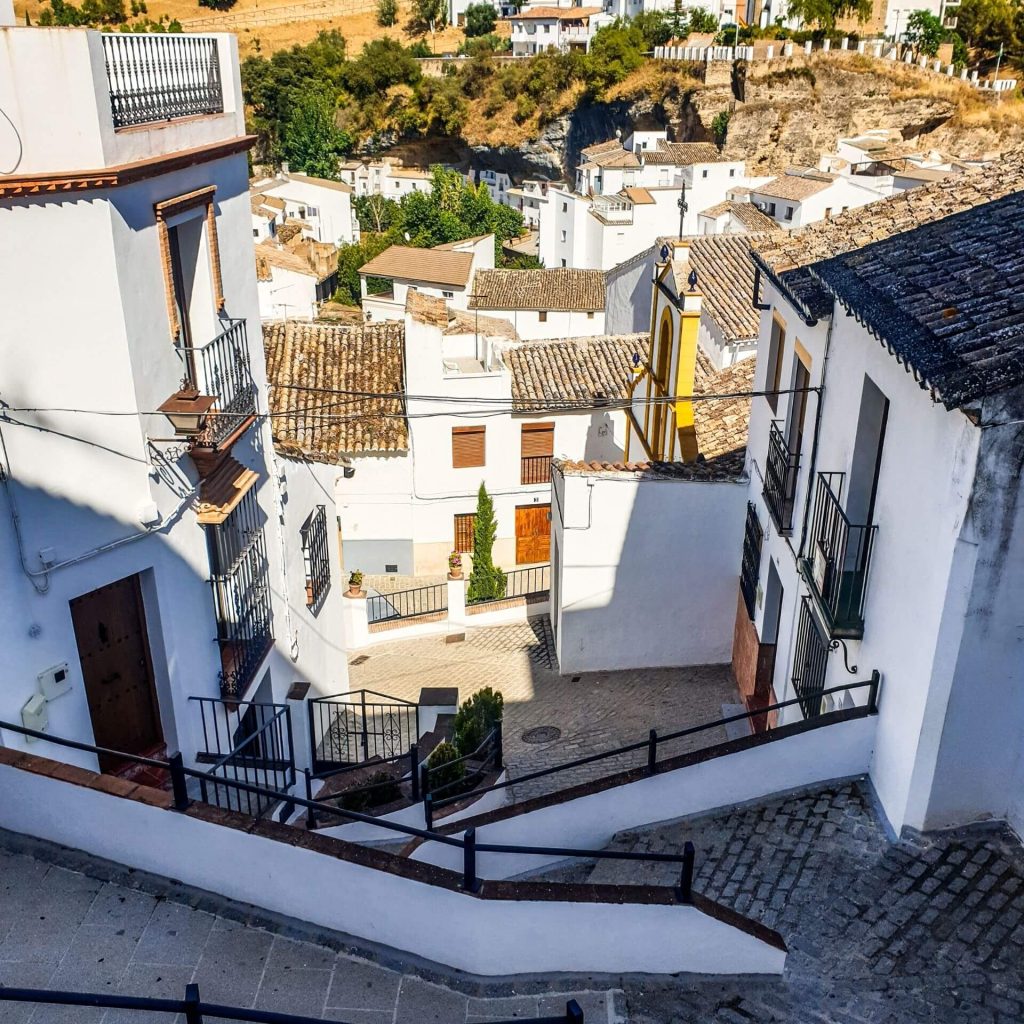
x=314 y=423
x=435 y=266
x=619 y=158
x=936 y=273
x=302 y=256
x=638 y=196
x=683 y=154
x=746 y=213
x=725 y=278
x=336 y=186
x=795 y=187
x=558 y=374
x=562 y=288
x=430 y=309
x=601 y=147
x=558 y=13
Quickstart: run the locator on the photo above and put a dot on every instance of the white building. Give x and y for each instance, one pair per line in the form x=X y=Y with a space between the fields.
x=324 y=206
x=898 y=13
x=143 y=568
x=530 y=199
x=497 y=183
x=547 y=27
x=386 y=177
x=735 y=215
x=543 y=303
x=295 y=278
x=797 y=198
x=446 y=272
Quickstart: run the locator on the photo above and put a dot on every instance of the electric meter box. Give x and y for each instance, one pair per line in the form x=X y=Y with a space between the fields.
x=34 y=715
x=55 y=681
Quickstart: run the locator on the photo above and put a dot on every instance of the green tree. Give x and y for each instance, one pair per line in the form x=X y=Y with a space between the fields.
x=218 y=5
x=381 y=64
x=925 y=33
x=312 y=142
x=480 y=19
x=615 y=51
x=430 y=14
x=825 y=13
x=678 y=20
x=387 y=12
x=350 y=259
x=654 y=26
x=702 y=20
x=375 y=212
x=960 y=54
x=720 y=126
x=987 y=23
x=486 y=580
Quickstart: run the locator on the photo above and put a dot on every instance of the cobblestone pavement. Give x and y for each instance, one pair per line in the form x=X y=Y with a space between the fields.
x=594 y=711
x=80 y=931
x=928 y=929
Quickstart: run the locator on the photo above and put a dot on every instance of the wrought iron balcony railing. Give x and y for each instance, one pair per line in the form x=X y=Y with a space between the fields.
x=153 y=77
x=780 y=475
x=221 y=369
x=837 y=557
x=535 y=469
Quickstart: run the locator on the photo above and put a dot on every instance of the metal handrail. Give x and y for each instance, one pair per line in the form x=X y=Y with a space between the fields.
x=379 y=604
x=492 y=740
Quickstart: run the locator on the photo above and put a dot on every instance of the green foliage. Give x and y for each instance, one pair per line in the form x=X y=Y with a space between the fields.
x=960 y=54
x=615 y=51
x=827 y=12
x=720 y=126
x=476 y=718
x=375 y=212
x=925 y=32
x=486 y=581
x=350 y=259
x=483 y=46
x=385 y=789
x=312 y=142
x=387 y=13
x=442 y=771
x=480 y=19
x=655 y=26
x=702 y=20
x=430 y=14
x=989 y=23
x=381 y=64
x=218 y=5
x=91 y=13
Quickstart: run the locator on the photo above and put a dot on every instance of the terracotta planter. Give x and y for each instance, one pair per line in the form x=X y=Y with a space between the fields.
x=455 y=574
x=354 y=592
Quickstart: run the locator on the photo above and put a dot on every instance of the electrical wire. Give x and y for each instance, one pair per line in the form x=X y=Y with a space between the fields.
x=17 y=135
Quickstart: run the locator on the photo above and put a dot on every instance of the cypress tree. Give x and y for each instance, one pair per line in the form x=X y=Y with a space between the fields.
x=486 y=581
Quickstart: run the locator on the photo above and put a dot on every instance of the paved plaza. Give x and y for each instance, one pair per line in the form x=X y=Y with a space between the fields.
x=595 y=711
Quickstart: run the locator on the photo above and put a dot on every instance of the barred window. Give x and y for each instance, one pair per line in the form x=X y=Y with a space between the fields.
x=316 y=557
x=464 y=523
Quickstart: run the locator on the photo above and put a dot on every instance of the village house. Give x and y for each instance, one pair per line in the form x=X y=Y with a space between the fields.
x=386 y=177
x=165 y=574
x=543 y=303
x=735 y=215
x=324 y=207
x=529 y=199
x=801 y=197
x=295 y=275
x=446 y=272
x=546 y=27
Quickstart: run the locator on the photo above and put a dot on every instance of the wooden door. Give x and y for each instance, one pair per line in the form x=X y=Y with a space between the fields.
x=533 y=534
x=110 y=629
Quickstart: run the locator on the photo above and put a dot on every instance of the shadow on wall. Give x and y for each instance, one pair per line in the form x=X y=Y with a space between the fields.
x=600 y=444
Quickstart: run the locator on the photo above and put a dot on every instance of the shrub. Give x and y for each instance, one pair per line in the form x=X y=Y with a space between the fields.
x=387 y=12
x=486 y=581
x=445 y=767
x=218 y=5
x=720 y=126
x=385 y=790
x=526 y=107
x=480 y=19
x=476 y=718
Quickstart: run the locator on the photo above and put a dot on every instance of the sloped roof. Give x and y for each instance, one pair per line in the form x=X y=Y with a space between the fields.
x=558 y=13
x=935 y=273
x=562 y=374
x=562 y=288
x=308 y=364
x=308 y=179
x=746 y=213
x=638 y=196
x=795 y=187
x=601 y=147
x=435 y=266
x=615 y=158
x=683 y=154
x=301 y=256
x=430 y=309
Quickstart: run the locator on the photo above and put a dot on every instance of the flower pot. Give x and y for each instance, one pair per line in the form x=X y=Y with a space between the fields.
x=354 y=592
x=455 y=574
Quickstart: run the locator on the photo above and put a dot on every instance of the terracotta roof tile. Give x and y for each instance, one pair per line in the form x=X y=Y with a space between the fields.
x=795 y=187
x=562 y=288
x=746 y=213
x=311 y=423
x=436 y=266
x=682 y=154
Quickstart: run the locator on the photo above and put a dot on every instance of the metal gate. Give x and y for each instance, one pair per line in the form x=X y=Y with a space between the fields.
x=349 y=728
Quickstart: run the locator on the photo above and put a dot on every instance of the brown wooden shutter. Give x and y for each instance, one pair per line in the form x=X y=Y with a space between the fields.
x=538 y=439
x=464 y=523
x=467 y=447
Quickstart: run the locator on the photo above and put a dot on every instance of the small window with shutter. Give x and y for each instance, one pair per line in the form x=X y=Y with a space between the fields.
x=464 y=531
x=467 y=447
x=538 y=445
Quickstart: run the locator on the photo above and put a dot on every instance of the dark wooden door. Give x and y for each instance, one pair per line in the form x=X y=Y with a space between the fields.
x=110 y=629
x=533 y=534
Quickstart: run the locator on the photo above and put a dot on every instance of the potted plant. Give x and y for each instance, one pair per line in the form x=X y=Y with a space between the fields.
x=355 y=583
x=455 y=566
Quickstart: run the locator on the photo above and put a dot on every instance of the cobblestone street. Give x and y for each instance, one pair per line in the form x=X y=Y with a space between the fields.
x=594 y=712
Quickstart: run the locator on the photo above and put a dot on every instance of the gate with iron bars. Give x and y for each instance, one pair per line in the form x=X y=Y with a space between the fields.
x=349 y=728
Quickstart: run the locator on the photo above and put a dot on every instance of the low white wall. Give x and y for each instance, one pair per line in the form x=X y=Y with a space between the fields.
x=484 y=937
x=589 y=822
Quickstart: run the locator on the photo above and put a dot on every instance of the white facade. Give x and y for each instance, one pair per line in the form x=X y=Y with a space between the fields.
x=841 y=194
x=91 y=499
x=325 y=206
x=497 y=183
x=555 y=27
x=530 y=199
x=537 y=325
x=386 y=177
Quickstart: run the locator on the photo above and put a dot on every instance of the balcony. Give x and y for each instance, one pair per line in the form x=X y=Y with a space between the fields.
x=535 y=469
x=221 y=368
x=780 y=475
x=838 y=558
x=750 y=567
x=155 y=77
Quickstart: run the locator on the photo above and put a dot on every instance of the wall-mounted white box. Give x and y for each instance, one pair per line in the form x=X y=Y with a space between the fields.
x=55 y=681
x=34 y=715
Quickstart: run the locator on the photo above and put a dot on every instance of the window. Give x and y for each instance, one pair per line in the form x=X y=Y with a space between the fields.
x=828 y=213
x=590 y=314
x=537 y=445
x=448 y=295
x=563 y=263
x=810 y=662
x=789 y=213
x=565 y=207
x=774 y=368
x=315 y=557
x=542 y=316
x=750 y=567
x=302 y=213
x=704 y=173
x=563 y=234
x=467 y=447
x=771 y=209
x=255 y=233
x=732 y=172
x=464 y=523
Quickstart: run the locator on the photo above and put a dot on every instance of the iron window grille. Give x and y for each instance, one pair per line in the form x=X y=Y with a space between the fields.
x=240 y=579
x=316 y=557
x=464 y=525
x=781 y=470
x=751 y=565
x=810 y=661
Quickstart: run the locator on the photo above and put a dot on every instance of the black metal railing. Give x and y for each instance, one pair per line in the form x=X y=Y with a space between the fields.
x=181 y=801
x=810 y=662
x=194 y=1010
x=316 y=557
x=750 y=567
x=836 y=560
x=521 y=583
x=263 y=758
x=223 y=371
x=155 y=77
x=780 y=475
x=535 y=469
x=435 y=794
x=226 y=723
x=407 y=604
x=351 y=728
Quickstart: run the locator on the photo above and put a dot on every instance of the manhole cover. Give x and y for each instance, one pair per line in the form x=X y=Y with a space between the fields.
x=542 y=734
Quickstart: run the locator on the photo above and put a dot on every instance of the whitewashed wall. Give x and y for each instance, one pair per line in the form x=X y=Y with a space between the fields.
x=558 y=323
x=288 y=295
